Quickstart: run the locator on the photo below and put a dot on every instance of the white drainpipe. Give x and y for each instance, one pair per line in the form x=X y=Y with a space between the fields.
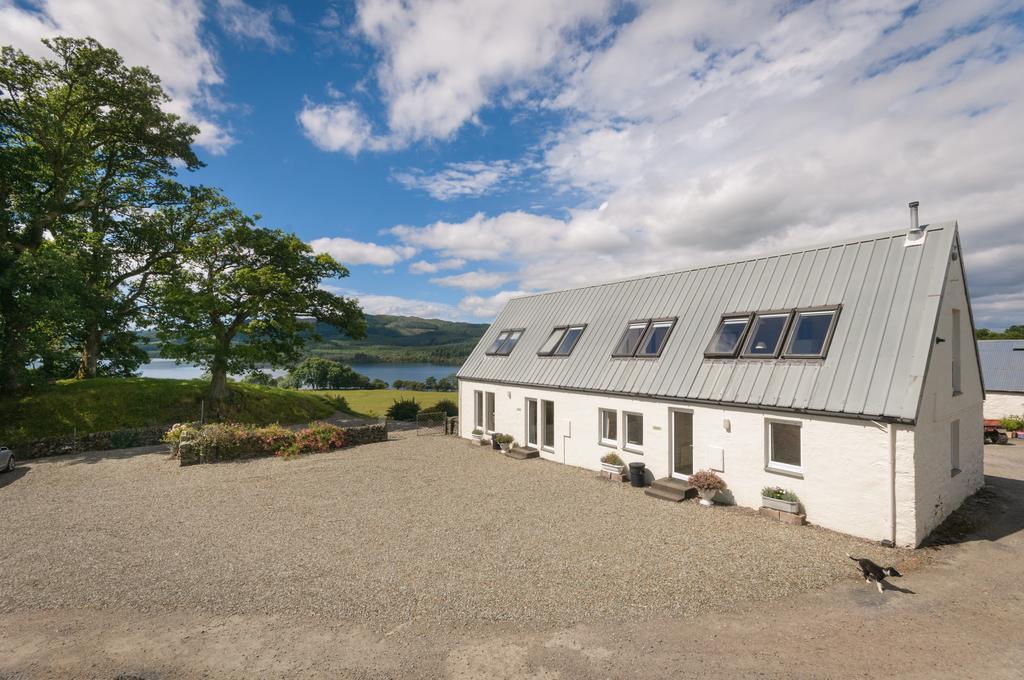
x=892 y=483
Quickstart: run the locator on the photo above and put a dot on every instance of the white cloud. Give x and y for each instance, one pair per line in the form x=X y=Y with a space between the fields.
x=442 y=62
x=351 y=252
x=470 y=178
x=337 y=127
x=716 y=131
x=478 y=280
x=165 y=35
x=400 y=306
x=487 y=307
x=245 y=22
x=424 y=267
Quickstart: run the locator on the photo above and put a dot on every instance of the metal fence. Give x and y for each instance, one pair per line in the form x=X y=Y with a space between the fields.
x=434 y=422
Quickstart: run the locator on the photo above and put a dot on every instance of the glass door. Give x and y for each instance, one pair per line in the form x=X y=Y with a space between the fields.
x=682 y=444
x=531 y=423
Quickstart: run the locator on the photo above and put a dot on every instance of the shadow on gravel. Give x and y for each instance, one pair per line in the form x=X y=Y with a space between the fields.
x=994 y=512
x=92 y=457
x=8 y=478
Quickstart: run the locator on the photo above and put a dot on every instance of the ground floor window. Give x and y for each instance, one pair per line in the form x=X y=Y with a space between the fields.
x=633 y=424
x=954 y=447
x=784 y=446
x=547 y=425
x=608 y=422
x=478 y=409
x=489 y=411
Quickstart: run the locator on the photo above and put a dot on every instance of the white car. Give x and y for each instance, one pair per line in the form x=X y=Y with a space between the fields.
x=6 y=459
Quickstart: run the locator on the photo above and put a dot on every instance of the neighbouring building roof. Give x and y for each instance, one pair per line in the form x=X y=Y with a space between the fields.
x=1002 y=365
x=890 y=296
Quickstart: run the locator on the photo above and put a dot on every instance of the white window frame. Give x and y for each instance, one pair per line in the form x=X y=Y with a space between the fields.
x=478 y=409
x=775 y=466
x=626 y=445
x=544 y=405
x=956 y=347
x=489 y=412
x=601 y=439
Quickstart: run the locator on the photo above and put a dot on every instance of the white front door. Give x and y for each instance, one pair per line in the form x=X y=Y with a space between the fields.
x=681 y=444
x=531 y=423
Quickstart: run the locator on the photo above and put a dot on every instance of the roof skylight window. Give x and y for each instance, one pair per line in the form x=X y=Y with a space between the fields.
x=505 y=342
x=766 y=334
x=631 y=338
x=812 y=332
x=655 y=338
x=727 y=339
x=562 y=341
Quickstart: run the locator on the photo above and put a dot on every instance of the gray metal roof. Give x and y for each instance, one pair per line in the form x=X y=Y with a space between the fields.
x=1002 y=365
x=875 y=364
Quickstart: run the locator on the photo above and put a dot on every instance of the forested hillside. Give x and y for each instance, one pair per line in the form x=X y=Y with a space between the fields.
x=401 y=338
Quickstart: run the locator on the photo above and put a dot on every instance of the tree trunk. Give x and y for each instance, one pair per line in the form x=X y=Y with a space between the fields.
x=218 y=382
x=90 y=352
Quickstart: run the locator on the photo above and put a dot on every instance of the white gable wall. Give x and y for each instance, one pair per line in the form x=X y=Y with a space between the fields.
x=938 y=490
x=999 y=405
x=846 y=462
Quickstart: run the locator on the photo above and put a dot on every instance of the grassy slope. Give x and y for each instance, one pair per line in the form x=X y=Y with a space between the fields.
x=114 y=403
x=375 y=403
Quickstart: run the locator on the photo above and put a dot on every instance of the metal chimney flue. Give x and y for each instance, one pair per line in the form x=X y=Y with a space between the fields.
x=914 y=226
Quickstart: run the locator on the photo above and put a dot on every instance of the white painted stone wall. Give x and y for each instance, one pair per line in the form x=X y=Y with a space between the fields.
x=845 y=484
x=1002 y=404
x=940 y=491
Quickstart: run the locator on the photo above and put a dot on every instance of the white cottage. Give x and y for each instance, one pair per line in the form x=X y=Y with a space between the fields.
x=847 y=373
x=1002 y=367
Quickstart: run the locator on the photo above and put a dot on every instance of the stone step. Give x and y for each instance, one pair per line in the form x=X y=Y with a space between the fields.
x=523 y=453
x=670 y=489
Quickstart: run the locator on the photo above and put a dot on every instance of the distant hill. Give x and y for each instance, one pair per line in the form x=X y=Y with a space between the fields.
x=390 y=339
x=394 y=339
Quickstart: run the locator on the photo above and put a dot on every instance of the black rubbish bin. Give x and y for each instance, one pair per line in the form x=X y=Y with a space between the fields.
x=494 y=443
x=637 y=474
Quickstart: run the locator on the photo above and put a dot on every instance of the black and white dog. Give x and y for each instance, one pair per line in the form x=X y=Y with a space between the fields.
x=872 y=572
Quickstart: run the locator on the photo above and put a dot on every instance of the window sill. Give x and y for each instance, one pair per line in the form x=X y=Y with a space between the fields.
x=547 y=449
x=610 y=444
x=795 y=474
x=633 y=449
x=957 y=393
x=954 y=472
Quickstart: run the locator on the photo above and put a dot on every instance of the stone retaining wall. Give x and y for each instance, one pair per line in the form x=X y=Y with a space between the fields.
x=93 y=441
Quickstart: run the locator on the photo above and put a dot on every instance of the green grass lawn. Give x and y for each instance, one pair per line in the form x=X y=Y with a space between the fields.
x=105 y=404
x=375 y=403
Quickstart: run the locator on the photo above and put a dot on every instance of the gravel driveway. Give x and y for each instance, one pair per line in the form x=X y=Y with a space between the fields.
x=431 y=529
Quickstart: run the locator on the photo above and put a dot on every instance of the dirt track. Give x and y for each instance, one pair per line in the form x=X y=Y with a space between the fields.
x=961 y=621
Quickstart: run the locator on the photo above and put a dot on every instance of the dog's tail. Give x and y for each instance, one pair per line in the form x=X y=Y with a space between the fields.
x=855 y=559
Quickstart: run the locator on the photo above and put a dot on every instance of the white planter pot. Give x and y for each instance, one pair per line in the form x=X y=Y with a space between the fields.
x=613 y=469
x=777 y=504
x=478 y=437
x=706 y=496
x=505 y=448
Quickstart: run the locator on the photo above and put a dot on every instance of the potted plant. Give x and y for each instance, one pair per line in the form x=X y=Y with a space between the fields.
x=505 y=441
x=707 y=484
x=777 y=498
x=612 y=464
x=478 y=435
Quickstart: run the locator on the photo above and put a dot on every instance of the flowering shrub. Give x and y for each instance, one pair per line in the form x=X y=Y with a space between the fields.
x=316 y=438
x=179 y=432
x=779 y=493
x=706 y=479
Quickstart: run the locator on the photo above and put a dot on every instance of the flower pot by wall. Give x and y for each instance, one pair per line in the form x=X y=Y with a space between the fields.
x=505 y=448
x=781 y=505
x=707 y=496
x=612 y=469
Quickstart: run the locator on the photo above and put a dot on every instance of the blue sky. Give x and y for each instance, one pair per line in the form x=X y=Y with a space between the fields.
x=458 y=152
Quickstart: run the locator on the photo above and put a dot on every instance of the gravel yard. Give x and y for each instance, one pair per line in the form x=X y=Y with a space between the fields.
x=428 y=529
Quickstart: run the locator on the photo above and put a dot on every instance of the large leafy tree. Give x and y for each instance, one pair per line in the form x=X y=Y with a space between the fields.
x=83 y=138
x=245 y=296
x=117 y=258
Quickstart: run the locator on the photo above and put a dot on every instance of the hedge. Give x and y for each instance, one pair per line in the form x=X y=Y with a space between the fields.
x=220 y=442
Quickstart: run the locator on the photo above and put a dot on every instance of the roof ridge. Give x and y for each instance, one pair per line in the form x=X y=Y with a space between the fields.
x=938 y=226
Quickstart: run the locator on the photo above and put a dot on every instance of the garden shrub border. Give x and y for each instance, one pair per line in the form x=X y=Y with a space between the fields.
x=231 y=441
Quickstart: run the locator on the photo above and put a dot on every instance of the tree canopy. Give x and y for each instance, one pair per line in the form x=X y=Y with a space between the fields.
x=243 y=297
